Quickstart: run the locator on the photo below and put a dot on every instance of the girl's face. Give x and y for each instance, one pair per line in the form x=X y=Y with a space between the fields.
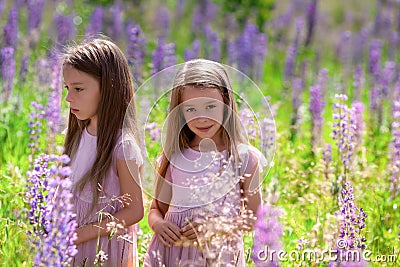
x=83 y=93
x=203 y=110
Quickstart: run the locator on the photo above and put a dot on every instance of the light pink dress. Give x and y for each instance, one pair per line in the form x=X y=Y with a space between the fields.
x=197 y=192
x=119 y=251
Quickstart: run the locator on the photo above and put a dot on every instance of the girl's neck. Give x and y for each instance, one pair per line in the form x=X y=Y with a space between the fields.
x=92 y=127
x=205 y=145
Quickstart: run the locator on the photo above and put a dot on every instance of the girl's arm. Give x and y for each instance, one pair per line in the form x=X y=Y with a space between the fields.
x=166 y=232
x=133 y=205
x=251 y=192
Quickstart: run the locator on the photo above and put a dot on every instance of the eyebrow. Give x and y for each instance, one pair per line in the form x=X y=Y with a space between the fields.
x=75 y=83
x=208 y=102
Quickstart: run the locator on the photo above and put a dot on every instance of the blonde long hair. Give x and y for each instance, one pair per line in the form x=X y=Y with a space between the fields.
x=103 y=60
x=199 y=73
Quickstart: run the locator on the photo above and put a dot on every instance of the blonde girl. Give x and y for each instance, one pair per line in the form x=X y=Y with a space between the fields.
x=207 y=175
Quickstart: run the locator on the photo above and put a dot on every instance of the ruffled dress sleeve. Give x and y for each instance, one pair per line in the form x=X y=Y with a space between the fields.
x=249 y=156
x=128 y=149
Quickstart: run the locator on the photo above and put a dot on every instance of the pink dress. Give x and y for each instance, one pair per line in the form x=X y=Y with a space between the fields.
x=120 y=251
x=197 y=192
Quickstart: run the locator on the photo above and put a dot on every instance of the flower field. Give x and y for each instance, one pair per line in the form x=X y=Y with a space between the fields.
x=329 y=71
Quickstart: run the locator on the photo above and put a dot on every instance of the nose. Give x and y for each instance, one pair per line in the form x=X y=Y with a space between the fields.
x=68 y=98
x=202 y=117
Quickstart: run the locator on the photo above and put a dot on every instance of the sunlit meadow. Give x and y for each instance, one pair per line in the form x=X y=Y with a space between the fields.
x=328 y=68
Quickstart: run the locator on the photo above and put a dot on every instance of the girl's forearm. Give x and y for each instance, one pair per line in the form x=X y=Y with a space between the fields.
x=125 y=217
x=154 y=216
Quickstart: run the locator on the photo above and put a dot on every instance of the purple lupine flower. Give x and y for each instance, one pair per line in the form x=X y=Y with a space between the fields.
x=394 y=153
x=36 y=191
x=249 y=51
x=311 y=16
x=7 y=72
x=260 y=53
x=291 y=53
x=56 y=247
x=96 y=21
x=66 y=29
x=162 y=19
x=267 y=236
x=279 y=24
x=250 y=45
x=302 y=243
x=163 y=56
x=316 y=109
x=10 y=37
x=35 y=13
x=303 y=69
x=374 y=100
x=247 y=119
x=344 y=130
x=352 y=219
x=2 y=6
x=116 y=11
x=267 y=132
x=24 y=67
x=327 y=159
x=245 y=48
x=378 y=18
x=231 y=23
x=208 y=9
x=154 y=131
x=213 y=44
x=374 y=59
x=358 y=82
x=352 y=223
x=297 y=89
x=343 y=48
x=43 y=69
x=202 y=13
x=359 y=125
x=322 y=80
x=179 y=9
x=393 y=43
x=387 y=77
x=135 y=49
x=194 y=51
x=197 y=20
x=35 y=128
x=232 y=53
x=53 y=104
x=268 y=136
x=359 y=42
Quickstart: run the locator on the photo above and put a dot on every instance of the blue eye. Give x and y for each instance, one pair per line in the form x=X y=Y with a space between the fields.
x=211 y=106
x=190 y=110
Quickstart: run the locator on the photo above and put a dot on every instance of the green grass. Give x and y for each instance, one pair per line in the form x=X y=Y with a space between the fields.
x=304 y=191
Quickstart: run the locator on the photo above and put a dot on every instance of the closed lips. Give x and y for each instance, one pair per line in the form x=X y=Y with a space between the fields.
x=204 y=128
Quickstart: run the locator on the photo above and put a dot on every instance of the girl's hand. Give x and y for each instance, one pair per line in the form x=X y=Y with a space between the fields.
x=166 y=232
x=192 y=229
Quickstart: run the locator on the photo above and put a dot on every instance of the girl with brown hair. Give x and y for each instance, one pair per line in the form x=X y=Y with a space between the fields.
x=105 y=156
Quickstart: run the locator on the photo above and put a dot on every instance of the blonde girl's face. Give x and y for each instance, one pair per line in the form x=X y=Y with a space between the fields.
x=83 y=93
x=203 y=110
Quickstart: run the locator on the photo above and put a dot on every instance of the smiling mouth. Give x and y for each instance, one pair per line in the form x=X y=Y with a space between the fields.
x=204 y=129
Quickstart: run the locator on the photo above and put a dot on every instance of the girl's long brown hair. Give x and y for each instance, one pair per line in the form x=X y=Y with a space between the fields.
x=198 y=73
x=103 y=60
